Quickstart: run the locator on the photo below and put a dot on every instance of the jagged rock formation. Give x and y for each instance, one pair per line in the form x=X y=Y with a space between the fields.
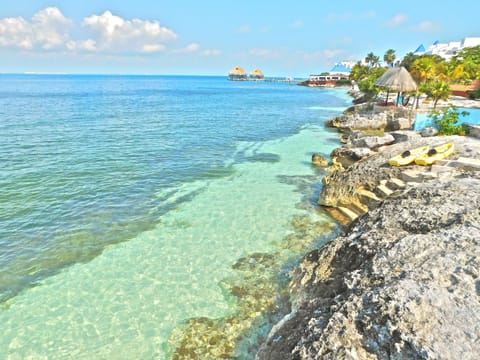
x=402 y=283
x=368 y=117
x=362 y=184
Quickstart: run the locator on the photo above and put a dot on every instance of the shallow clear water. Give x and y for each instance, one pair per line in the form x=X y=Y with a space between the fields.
x=126 y=200
x=473 y=117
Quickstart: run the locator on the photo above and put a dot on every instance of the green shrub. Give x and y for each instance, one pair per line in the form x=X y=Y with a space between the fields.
x=475 y=94
x=446 y=121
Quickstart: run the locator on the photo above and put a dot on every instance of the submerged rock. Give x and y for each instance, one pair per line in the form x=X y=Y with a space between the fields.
x=319 y=160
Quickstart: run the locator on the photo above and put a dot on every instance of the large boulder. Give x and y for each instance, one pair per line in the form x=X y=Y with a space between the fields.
x=429 y=132
x=373 y=142
x=405 y=135
x=474 y=130
x=346 y=156
x=360 y=121
x=399 y=123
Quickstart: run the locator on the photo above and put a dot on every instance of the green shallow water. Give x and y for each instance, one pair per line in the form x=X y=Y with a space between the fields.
x=127 y=302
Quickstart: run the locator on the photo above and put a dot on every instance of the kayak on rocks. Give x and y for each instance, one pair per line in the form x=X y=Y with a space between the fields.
x=408 y=157
x=437 y=153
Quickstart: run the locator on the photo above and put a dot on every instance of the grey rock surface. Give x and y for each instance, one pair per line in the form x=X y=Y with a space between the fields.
x=373 y=142
x=403 y=282
x=405 y=135
x=429 y=131
x=474 y=131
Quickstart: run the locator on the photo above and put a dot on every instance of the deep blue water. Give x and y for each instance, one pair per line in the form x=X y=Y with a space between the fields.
x=83 y=158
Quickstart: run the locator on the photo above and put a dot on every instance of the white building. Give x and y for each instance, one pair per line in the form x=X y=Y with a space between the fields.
x=448 y=50
x=341 y=71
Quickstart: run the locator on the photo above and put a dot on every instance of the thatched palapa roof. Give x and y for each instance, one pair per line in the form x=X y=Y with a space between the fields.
x=238 y=71
x=397 y=79
x=256 y=73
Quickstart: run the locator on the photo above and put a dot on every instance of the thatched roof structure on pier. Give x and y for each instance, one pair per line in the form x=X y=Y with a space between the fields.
x=257 y=74
x=237 y=73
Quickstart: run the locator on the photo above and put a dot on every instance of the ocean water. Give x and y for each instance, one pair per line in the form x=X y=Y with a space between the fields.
x=132 y=207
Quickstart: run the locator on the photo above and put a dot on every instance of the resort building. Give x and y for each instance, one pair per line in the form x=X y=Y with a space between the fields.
x=257 y=74
x=341 y=71
x=237 y=74
x=447 y=50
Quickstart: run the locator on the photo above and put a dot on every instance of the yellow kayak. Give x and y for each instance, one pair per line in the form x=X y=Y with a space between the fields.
x=438 y=153
x=407 y=157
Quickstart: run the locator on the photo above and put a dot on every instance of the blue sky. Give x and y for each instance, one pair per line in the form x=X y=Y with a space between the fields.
x=209 y=37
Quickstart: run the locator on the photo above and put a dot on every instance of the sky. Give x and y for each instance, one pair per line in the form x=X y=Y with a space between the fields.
x=210 y=37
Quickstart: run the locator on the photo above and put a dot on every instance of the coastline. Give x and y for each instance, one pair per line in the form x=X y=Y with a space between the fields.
x=402 y=280
x=216 y=216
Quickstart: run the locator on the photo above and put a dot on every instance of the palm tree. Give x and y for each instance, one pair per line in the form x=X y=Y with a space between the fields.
x=389 y=57
x=358 y=72
x=372 y=59
x=408 y=61
x=423 y=69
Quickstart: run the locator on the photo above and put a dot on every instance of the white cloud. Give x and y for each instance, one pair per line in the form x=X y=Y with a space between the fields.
x=115 y=34
x=426 y=26
x=190 y=48
x=152 y=48
x=327 y=54
x=263 y=53
x=48 y=29
x=297 y=24
x=244 y=29
x=397 y=20
x=195 y=48
x=211 y=52
x=82 y=45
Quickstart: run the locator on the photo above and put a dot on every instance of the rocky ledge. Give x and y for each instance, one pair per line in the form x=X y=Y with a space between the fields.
x=403 y=281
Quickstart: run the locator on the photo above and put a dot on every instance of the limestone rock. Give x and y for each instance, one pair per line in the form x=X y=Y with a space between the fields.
x=402 y=283
x=346 y=156
x=373 y=142
x=399 y=123
x=474 y=131
x=429 y=132
x=319 y=160
x=360 y=121
x=404 y=135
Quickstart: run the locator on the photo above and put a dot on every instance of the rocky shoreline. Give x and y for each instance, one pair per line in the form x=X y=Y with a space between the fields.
x=403 y=280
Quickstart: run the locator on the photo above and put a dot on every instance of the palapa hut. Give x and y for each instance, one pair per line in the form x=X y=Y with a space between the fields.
x=397 y=79
x=257 y=74
x=237 y=73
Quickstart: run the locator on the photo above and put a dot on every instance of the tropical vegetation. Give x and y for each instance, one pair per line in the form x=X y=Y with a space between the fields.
x=434 y=74
x=447 y=121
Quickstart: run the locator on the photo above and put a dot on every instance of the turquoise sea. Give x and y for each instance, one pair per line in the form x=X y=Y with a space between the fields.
x=156 y=217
